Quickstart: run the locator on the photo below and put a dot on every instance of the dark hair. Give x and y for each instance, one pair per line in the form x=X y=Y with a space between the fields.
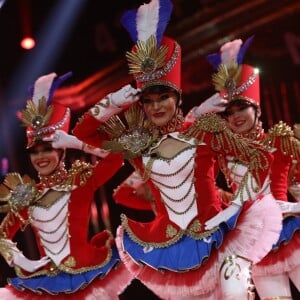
x=158 y=89
x=241 y=103
x=47 y=144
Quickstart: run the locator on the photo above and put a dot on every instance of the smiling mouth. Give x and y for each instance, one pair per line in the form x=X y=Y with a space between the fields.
x=158 y=115
x=239 y=123
x=43 y=164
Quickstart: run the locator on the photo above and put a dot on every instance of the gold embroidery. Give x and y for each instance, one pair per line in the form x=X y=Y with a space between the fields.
x=195 y=226
x=58 y=178
x=170 y=242
x=289 y=145
x=131 y=136
x=70 y=262
x=56 y=269
x=37 y=117
x=147 y=57
x=81 y=168
x=104 y=103
x=171 y=231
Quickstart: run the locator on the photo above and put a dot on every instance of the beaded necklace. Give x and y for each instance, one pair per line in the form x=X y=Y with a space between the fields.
x=59 y=177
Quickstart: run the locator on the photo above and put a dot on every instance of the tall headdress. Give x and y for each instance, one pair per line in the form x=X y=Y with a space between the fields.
x=233 y=79
x=41 y=117
x=154 y=59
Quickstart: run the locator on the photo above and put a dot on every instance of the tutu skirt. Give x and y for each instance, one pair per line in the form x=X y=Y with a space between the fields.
x=285 y=254
x=191 y=267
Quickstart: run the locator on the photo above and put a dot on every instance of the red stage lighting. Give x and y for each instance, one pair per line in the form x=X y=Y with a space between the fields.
x=27 y=43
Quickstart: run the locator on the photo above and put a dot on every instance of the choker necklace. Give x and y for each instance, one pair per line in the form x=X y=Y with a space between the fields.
x=255 y=134
x=174 y=124
x=57 y=178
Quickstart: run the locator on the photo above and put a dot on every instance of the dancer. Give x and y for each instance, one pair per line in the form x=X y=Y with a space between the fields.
x=191 y=248
x=58 y=209
x=271 y=275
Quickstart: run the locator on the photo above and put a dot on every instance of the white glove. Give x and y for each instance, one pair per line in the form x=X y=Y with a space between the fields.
x=125 y=96
x=14 y=256
x=237 y=171
x=222 y=216
x=114 y=103
x=62 y=140
x=213 y=104
x=27 y=264
x=288 y=207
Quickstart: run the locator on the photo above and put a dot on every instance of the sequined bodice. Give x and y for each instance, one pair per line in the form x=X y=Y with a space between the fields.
x=174 y=178
x=52 y=226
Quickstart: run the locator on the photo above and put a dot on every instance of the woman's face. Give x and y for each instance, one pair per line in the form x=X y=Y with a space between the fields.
x=241 y=118
x=44 y=159
x=160 y=107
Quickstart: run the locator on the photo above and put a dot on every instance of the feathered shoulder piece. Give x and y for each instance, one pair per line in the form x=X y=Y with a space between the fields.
x=17 y=192
x=79 y=173
x=131 y=134
x=283 y=137
x=146 y=26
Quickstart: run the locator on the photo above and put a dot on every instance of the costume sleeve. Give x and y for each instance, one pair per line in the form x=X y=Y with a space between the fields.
x=286 y=148
x=281 y=137
x=83 y=173
x=12 y=223
x=86 y=130
x=133 y=193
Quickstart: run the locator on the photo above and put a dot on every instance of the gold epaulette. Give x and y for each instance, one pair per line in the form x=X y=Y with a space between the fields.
x=208 y=123
x=81 y=170
x=283 y=133
x=222 y=139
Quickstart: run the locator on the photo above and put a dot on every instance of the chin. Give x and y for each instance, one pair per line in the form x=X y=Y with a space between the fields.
x=160 y=123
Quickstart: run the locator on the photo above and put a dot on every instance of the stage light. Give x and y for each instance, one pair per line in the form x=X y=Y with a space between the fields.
x=27 y=43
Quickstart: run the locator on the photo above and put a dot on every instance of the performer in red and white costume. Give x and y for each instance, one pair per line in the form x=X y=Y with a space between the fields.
x=58 y=209
x=271 y=275
x=191 y=243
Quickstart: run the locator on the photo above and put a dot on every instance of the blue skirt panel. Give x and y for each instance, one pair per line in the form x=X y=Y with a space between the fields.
x=64 y=282
x=289 y=226
x=187 y=253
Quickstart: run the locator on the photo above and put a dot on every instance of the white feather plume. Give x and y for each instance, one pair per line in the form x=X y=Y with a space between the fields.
x=42 y=87
x=147 y=20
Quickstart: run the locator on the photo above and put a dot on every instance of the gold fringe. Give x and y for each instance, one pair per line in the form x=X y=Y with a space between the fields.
x=289 y=145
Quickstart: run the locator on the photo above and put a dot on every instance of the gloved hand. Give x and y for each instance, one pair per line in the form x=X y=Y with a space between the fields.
x=60 y=140
x=114 y=103
x=237 y=171
x=222 y=216
x=27 y=264
x=125 y=96
x=288 y=207
x=14 y=256
x=215 y=103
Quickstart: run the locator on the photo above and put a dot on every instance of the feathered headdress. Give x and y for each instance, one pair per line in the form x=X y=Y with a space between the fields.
x=41 y=117
x=154 y=59
x=236 y=81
